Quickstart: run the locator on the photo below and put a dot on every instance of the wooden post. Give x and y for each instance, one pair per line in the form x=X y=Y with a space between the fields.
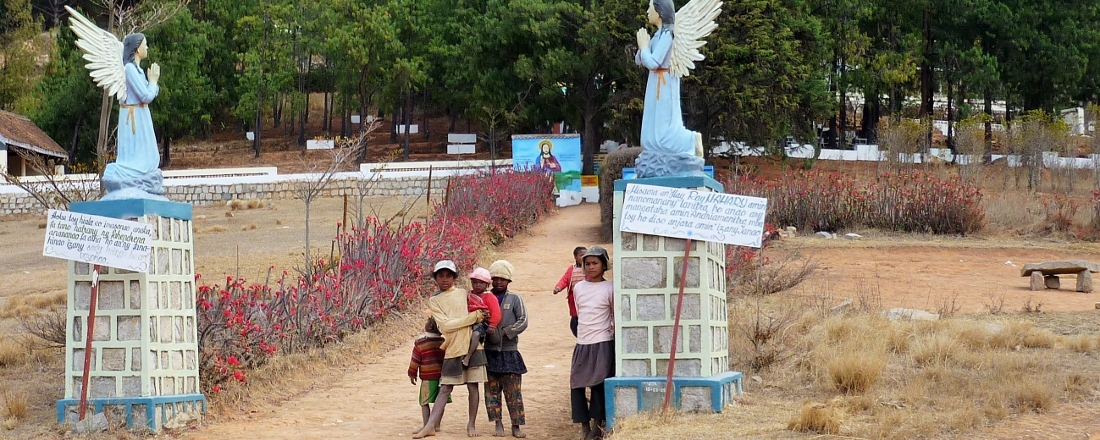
x=88 y=341
x=344 y=224
x=676 y=325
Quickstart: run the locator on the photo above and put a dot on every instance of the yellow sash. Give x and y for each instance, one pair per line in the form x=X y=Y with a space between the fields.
x=130 y=116
x=660 y=80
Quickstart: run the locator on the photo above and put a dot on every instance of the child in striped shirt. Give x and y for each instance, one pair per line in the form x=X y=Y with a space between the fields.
x=427 y=358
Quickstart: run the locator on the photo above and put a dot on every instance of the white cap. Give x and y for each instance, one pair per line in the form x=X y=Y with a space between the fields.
x=445 y=264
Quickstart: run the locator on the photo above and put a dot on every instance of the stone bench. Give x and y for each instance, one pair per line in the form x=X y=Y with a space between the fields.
x=1045 y=275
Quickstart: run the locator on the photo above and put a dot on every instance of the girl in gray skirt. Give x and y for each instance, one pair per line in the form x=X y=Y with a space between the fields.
x=594 y=355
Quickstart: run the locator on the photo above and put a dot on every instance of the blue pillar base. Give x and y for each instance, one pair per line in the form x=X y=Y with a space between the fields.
x=167 y=406
x=629 y=395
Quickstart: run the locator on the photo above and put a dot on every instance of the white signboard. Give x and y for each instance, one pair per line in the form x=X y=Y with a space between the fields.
x=698 y=215
x=320 y=144
x=99 y=240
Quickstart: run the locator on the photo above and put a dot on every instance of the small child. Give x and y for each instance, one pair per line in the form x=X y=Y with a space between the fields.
x=573 y=275
x=480 y=299
x=427 y=357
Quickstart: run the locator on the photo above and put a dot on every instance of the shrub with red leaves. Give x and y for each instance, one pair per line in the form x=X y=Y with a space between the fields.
x=381 y=268
x=916 y=202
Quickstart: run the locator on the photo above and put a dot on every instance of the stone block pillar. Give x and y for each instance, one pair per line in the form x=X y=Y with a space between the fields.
x=647 y=270
x=145 y=359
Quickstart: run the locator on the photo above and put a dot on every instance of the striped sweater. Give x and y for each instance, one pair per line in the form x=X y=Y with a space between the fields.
x=427 y=357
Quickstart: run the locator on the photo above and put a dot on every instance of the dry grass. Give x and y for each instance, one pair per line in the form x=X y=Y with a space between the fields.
x=278 y=222
x=240 y=205
x=11 y=423
x=215 y=229
x=15 y=404
x=1081 y=343
x=249 y=227
x=822 y=418
x=855 y=373
x=11 y=352
x=24 y=306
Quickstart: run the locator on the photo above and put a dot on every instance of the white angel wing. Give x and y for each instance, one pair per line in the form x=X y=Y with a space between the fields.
x=694 y=22
x=103 y=52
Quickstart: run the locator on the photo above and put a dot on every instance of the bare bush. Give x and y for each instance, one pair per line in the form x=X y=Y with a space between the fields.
x=970 y=146
x=49 y=189
x=949 y=306
x=774 y=276
x=1032 y=308
x=48 y=326
x=767 y=333
x=901 y=138
x=995 y=303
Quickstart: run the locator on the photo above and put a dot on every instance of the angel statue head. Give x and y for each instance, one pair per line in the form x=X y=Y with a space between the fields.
x=662 y=12
x=134 y=46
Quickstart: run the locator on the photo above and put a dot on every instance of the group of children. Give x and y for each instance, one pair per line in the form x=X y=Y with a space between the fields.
x=591 y=309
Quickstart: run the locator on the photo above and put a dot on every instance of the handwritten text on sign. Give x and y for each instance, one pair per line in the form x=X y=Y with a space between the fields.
x=698 y=215
x=99 y=240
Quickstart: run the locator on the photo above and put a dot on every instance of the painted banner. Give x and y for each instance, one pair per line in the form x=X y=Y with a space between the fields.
x=698 y=215
x=556 y=153
x=98 y=240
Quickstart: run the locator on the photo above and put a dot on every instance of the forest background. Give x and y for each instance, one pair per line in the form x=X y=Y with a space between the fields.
x=775 y=69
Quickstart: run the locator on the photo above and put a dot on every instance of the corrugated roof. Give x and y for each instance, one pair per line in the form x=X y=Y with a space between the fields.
x=18 y=131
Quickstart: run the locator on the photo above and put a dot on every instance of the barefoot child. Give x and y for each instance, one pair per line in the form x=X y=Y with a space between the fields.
x=479 y=299
x=427 y=358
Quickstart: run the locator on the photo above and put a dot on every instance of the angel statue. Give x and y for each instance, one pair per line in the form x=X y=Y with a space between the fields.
x=670 y=149
x=116 y=66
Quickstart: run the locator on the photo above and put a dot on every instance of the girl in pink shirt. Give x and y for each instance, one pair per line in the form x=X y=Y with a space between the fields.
x=594 y=354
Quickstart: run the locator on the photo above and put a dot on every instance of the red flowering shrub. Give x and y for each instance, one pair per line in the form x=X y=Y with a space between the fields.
x=381 y=267
x=916 y=201
x=505 y=202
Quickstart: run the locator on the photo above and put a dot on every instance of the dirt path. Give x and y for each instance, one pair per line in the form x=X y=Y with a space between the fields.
x=377 y=401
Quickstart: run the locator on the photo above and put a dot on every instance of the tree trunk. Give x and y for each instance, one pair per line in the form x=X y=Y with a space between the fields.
x=104 y=107
x=303 y=119
x=256 y=132
x=988 y=125
x=406 y=115
x=424 y=114
x=927 y=97
x=454 y=118
x=393 y=125
x=872 y=111
x=73 y=144
x=364 y=101
x=277 y=111
x=589 y=143
x=324 y=114
x=926 y=92
x=951 y=119
x=167 y=160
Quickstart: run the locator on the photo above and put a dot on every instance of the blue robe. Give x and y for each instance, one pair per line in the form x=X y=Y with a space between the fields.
x=138 y=154
x=669 y=146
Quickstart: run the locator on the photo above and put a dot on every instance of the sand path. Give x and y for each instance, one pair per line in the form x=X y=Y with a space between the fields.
x=377 y=400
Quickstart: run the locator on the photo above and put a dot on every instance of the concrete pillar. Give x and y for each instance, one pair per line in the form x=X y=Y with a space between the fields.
x=144 y=345
x=647 y=271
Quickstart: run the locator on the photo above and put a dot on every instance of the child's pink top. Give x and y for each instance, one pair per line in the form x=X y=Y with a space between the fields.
x=595 y=311
x=485 y=301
